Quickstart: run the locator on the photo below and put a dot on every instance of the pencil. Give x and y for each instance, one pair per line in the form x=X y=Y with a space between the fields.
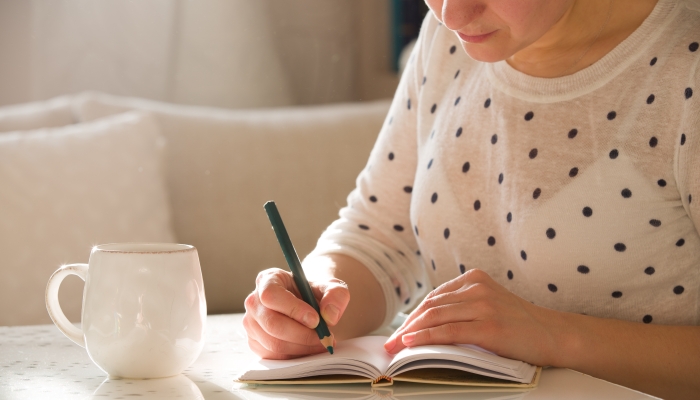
x=299 y=278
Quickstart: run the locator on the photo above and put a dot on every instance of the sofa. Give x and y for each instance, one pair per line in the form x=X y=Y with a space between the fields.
x=204 y=175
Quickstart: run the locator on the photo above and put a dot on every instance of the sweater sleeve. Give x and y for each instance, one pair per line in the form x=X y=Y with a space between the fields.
x=375 y=226
x=688 y=149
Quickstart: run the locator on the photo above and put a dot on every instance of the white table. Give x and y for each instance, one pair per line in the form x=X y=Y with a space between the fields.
x=38 y=362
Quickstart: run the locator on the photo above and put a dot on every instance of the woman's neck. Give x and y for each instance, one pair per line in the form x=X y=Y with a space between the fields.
x=588 y=31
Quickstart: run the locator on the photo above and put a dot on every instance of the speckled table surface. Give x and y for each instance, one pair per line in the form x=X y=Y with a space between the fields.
x=38 y=362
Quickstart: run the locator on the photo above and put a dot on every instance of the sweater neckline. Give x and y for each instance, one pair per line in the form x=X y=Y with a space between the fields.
x=549 y=90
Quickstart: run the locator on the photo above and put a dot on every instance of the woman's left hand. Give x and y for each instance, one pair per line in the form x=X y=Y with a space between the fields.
x=474 y=309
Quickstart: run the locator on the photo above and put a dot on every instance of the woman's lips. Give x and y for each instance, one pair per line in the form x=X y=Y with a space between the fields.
x=475 y=39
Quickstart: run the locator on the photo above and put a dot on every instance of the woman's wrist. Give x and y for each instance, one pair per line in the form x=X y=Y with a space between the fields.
x=366 y=309
x=565 y=330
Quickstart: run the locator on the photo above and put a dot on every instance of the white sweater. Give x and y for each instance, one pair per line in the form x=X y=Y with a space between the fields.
x=575 y=193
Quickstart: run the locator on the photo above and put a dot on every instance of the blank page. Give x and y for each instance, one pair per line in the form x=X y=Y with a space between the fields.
x=360 y=354
x=468 y=355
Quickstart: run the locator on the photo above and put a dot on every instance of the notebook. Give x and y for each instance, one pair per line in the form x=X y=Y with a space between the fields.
x=364 y=360
x=397 y=391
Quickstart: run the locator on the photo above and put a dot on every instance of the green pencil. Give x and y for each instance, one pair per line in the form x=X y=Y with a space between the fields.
x=299 y=278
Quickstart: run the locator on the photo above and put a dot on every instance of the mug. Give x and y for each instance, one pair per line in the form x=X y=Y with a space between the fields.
x=144 y=311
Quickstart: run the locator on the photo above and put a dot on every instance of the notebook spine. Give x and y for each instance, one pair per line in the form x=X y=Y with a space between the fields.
x=382 y=380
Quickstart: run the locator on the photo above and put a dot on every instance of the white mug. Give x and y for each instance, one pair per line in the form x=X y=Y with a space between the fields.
x=144 y=311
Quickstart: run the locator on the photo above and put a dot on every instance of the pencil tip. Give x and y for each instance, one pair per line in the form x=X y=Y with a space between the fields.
x=330 y=349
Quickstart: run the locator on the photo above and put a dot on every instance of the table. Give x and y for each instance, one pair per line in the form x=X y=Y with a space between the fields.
x=38 y=362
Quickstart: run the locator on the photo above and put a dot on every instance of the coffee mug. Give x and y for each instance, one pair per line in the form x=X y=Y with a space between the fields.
x=144 y=311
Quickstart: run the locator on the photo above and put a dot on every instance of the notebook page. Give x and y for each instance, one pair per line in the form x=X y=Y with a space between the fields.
x=461 y=366
x=360 y=354
x=468 y=355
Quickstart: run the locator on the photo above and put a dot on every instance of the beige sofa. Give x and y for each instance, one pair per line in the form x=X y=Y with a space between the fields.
x=220 y=166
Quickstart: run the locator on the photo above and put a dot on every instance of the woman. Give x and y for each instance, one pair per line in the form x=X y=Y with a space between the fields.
x=536 y=170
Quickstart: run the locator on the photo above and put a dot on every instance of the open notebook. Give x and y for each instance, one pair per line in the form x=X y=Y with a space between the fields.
x=398 y=391
x=364 y=360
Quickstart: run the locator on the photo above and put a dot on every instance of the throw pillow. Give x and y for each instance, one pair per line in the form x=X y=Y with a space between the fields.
x=65 y=190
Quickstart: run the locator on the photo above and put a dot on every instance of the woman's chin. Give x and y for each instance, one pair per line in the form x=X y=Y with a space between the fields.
x=484 y=53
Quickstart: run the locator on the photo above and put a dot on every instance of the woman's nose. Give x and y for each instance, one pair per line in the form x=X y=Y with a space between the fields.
x=457 y=14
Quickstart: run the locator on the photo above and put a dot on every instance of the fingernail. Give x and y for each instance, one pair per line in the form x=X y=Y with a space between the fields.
x=310 y=320
x=408 y=339
x=331 y=313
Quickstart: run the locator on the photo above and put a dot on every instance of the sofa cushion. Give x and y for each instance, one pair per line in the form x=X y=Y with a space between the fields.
x=40 y=114
x=64 y=190
x=223 y=165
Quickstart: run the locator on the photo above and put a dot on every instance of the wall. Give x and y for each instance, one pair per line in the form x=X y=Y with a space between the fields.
x=15 y=51
x=225 y=53
x=375 y=78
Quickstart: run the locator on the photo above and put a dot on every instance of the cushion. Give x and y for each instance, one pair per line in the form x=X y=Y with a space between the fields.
x=64 y=190
x=222 y=166
x=41 y=114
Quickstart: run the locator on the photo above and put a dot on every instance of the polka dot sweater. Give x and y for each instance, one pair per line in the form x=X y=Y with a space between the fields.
x=575 y=193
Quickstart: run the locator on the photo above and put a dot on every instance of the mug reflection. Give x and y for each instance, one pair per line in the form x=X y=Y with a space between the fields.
x=174 y=387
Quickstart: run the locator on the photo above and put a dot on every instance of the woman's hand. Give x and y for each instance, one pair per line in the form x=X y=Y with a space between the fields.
x=474 y=309
x=279 y=324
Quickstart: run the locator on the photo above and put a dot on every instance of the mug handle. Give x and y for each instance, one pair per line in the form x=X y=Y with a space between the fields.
x=54 y=308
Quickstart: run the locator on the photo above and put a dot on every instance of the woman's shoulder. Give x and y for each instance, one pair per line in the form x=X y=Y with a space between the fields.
x=681 y=34
x=691 y=5
x=674 y=55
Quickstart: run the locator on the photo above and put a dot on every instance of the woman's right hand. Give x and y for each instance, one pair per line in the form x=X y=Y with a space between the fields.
x=280 y=325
